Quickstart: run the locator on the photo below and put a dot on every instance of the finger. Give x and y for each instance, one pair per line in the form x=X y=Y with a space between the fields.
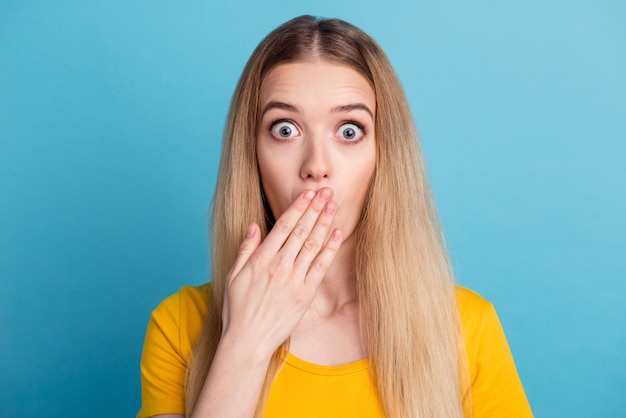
x=312 y=220
x=311 y=246
x=250 y=243
x=286 y=222
x=322 y=262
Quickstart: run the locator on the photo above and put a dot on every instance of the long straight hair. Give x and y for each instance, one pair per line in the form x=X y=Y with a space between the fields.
x=404 y=282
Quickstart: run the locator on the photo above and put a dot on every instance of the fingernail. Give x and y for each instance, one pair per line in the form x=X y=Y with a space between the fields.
x=325 y=193
x=308 y=196
x=250 y=231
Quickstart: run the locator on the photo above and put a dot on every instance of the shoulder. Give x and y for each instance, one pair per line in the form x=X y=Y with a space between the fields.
x=496 y=389
x=477 y=316
x=182 y=314
x=189 y=300
x=470 y=302
x=187 y=296
x=474 y=310
x=172 y=331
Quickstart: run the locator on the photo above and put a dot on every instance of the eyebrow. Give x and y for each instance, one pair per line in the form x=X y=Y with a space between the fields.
x=279 y=105
x=353 y=106
x=338 y=109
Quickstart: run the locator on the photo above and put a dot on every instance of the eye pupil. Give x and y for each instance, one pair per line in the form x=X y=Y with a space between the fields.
x=349 y=133
x=285 y=131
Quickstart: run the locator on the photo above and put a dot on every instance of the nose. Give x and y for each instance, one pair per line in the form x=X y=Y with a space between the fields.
x=316 y=163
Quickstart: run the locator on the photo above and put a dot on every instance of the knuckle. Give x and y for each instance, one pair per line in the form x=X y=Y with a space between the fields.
x=278 y=274
x=311 y=245
x=274 y=275
x=299 y=300
x=279 y=267
x=320 y=265
x=280 y=260
x=245 y=248
x=301 y=231
x=282 y=226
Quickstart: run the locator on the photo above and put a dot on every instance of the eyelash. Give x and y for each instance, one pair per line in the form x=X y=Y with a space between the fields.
x=344 y=122
x=358 y=125
x=276 y=122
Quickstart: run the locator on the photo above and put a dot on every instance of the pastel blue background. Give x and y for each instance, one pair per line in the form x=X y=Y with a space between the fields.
x=111 y=115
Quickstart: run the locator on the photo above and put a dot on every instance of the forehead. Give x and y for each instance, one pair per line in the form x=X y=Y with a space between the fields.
x=316 y=82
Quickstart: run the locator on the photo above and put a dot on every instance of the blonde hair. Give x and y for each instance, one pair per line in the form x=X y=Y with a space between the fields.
x=403 y=276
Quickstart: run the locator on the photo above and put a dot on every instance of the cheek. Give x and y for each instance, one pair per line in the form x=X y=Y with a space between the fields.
x=275 y=188
x=362 y=175
x=366 y=175
x=359 y=179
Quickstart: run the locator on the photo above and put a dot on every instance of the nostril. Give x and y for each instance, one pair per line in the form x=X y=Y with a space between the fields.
x=315 y=166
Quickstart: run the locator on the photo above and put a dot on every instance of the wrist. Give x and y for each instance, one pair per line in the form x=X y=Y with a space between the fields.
x=245 y=351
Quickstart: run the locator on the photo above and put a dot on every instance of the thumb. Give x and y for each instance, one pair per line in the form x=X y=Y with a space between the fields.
x=250 y=243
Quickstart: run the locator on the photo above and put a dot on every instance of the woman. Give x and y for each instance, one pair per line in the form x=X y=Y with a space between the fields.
x=331 y=293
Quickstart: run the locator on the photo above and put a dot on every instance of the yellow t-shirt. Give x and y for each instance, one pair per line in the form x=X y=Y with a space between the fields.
x=303 y=389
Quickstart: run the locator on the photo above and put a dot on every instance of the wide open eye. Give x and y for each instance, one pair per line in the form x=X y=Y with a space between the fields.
x=350 y=132
x=284 y=129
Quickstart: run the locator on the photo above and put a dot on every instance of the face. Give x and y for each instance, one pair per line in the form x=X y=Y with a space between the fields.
x=317 y=130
